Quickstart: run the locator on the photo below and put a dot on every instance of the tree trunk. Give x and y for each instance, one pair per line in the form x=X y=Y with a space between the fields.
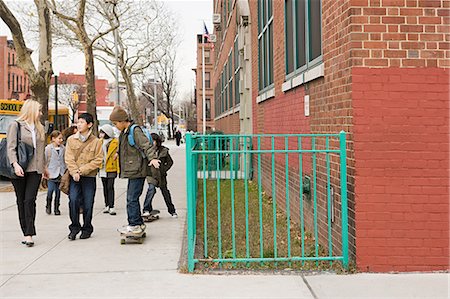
x=91 y=102
x=131 y=98
x=40 y=92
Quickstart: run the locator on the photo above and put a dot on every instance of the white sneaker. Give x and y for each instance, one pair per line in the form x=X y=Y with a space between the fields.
x=106 y=210
x=146 y=214
x=112 y=211
x=135 y=229
x=174 y=215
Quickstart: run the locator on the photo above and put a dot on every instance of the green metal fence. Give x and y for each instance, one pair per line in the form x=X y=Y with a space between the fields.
x=227 y=171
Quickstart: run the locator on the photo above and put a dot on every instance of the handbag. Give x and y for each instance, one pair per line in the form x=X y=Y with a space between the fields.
x=64 y=184
x=24 y=151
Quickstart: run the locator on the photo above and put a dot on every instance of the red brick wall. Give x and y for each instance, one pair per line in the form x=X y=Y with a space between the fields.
x=228 y=124
x=401 y=143
x=400 y=33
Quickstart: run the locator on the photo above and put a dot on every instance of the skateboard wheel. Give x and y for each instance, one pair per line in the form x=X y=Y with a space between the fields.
x=144 y=235
x=122 y=241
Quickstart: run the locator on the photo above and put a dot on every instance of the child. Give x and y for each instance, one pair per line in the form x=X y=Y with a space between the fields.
x=134 y=162
x=110 y=166
x=83 y=158
x=54 y=159
x=158 y=178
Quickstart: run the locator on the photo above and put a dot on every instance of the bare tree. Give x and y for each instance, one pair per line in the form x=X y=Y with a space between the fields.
x=66 y=95
x=82 y=30
x=40 y=78
x=166 y=72
x=146 y=31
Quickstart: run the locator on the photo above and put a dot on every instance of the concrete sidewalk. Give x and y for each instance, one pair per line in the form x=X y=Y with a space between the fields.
x=100 y=267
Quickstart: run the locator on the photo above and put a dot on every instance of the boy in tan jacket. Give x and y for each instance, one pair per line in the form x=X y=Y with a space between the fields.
x=83 y=158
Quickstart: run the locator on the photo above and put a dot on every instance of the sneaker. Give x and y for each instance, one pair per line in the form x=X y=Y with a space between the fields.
x=106 y=210
x=112 y=211
x=135 y=229
x=174 y=215
x=146 y=214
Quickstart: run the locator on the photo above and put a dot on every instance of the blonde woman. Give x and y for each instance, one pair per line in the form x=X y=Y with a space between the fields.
x=26 y=184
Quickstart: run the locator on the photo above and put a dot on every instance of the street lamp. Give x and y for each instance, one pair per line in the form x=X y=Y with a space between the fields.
x=114 y=3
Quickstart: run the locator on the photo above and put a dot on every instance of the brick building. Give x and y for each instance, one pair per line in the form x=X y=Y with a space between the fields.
x=78 y=82
x=14 y=83
x=202 y=41
x=377 y=69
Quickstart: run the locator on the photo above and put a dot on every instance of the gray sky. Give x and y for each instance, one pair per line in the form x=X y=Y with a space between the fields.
x=190 y=16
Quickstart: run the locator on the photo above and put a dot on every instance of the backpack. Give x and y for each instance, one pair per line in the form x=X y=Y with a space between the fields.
x=131 y=140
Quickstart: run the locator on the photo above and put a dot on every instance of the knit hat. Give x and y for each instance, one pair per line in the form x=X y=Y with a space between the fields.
x=118 y=114
x=108 y=130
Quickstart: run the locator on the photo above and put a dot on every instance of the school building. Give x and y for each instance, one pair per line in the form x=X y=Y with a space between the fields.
x=376 y=69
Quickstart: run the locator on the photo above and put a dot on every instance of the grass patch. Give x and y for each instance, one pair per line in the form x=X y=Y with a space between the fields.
x=252 y=240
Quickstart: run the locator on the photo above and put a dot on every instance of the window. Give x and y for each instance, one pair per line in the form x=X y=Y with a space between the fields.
x=12 y=81
x=207 y=80
x=9 y=58
x=13 y=62
x=236 y=72
x=9 y=81
x=208 y=108
x=265 y=43
x=303 y=29
x=230 y=81
x=207 y=56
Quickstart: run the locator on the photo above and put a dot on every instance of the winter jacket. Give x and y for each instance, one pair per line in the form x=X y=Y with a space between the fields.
x=158 y=177
x=132 y=163
x=112 y=165
x=89 y=160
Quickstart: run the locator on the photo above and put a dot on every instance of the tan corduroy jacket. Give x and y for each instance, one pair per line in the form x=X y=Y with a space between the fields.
x=89 y=160
x=37 y=162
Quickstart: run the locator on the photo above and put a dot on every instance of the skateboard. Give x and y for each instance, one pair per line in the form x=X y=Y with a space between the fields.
x=132 y=237
x=154 y=215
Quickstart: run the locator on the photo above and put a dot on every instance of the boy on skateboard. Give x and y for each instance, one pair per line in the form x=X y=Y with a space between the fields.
x=134 y=162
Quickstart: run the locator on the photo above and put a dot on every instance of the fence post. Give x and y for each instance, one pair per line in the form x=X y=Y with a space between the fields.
x=343 y=154
x=190 y=185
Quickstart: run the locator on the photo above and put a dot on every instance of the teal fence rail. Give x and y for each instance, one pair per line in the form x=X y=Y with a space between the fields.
x=266 y=198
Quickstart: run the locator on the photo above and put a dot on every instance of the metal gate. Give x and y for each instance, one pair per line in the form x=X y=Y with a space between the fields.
x=227 y=180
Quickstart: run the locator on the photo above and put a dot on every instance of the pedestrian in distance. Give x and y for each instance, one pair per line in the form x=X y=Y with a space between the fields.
x=83 y=158
x=27 y=181
x=54 y=160
x=134 y=162
x=158 y=178
x=178 y=137
x=110 y=166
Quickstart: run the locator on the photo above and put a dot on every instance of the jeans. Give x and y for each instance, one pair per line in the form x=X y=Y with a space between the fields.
x=82 y=193
x=108 y=191
x=53 y=186
x=134 y=191
x=151 y=193
x=26 y=189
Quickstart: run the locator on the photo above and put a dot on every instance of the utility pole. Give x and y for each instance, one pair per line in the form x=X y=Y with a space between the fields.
x=155 y=100
x=203 y=85
x=117 y=66
x=55 y=120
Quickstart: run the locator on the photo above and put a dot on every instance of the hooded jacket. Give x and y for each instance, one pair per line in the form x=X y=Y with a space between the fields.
x=131 y=161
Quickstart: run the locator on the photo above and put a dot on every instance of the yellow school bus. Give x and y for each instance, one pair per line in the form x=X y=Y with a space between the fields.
x=9 y=110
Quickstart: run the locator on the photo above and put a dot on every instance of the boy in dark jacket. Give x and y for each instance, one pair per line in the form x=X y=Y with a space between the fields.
x=134 y=165
x=158 y=178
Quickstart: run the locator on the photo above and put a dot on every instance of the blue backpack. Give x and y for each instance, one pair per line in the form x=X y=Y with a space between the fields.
x=132 y=142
